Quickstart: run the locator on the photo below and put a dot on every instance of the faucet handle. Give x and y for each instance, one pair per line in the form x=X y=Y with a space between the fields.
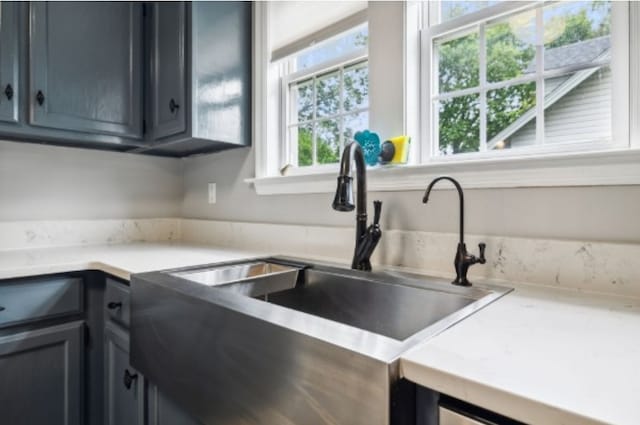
x=481 y=258
x=377 y=211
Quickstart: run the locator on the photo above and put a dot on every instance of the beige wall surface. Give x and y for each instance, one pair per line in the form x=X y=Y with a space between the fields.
x=605 y=213
x=39 y=182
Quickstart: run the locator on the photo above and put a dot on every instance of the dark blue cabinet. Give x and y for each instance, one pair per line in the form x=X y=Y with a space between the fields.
x=124 y=386
x=41 y=376
x=167 y=75
x=9 y=65
x=128 y=397
x=165 y=78
x=200 y=87
x=86 y=67
x=163 y=411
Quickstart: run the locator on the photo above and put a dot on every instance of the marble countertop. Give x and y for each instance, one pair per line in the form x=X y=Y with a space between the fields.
x=121 y=260
x=539 y=355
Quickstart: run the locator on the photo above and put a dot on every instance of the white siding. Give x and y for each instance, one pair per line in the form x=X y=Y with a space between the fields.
x=583 y=114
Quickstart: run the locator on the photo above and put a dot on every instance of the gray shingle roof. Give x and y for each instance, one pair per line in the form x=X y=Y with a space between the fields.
x=581 y=52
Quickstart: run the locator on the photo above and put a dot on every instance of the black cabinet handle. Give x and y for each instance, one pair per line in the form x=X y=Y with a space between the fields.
x=129 y=378
x=173 y=106
x=8 y=91
x=114 y=305
x=40 y=97
x=1 y=308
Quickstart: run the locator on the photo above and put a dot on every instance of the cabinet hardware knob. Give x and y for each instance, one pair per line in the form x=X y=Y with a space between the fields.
x=114 y=305
x=8 y=91
x=1 y=308
x=173 y=106
x=129 y=378
x=40 y=97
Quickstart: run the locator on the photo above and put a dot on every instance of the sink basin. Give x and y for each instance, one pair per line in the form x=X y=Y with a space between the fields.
x=252 y=279
x=281 y=340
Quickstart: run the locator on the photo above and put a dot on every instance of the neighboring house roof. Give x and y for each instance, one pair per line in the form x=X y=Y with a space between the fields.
x=573 y=54
x=594 y=50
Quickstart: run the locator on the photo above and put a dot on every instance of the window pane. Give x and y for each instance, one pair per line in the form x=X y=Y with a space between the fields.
x=578 y=107
x=350 y=42
x=511 y=47
x=459 y=124
x=511 y=116
x=354 y=123
x=302 y=100
x=303 y=136
x=576 y=33
x=328 y=141
x=356 y=86
x=328 y=94
x=456 y=8
x=458 y=63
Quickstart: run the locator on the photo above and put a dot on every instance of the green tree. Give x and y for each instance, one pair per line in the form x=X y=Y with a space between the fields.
x=326 y=154
x=509 y=55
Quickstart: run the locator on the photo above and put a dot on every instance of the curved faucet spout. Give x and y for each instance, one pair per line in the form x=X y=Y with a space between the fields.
x=463 y=259
x=425 y=199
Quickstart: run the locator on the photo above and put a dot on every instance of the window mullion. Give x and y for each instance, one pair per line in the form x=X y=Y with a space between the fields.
x=329 y=117
x=314 y=150
x=341 y=112
x=539 y=76
x=483 y=87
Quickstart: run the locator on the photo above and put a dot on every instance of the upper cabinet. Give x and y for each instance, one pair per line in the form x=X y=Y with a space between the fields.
x=9 y=62
x=167 y=83
x=165 y=78
x=200 y=77
x=86 y=67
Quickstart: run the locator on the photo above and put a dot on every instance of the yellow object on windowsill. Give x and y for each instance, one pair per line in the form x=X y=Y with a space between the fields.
x=402 y=147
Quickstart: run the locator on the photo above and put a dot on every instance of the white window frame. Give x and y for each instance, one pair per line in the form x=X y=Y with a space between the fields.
x=289 y=149
x=476 y=22
x=610 y=166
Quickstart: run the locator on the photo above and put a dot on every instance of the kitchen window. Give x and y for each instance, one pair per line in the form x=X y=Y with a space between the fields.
x=325 y=99
x=498 y=93
x=531 y=78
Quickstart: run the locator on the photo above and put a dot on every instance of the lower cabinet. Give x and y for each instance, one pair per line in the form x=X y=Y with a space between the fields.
x=130 y=399
x=65 y=362
x=41 y=376
x=162 y=411
x=124 y=387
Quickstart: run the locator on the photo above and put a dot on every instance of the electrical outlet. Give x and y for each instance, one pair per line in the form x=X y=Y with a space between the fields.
x=212 y=193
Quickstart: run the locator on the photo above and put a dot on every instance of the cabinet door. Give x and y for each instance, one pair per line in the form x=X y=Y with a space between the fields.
x=124 y=389
x=86 y=67
x=167 y=82
x=9 y=61
x=41 y=376
x=221 y=71
x=163 y=411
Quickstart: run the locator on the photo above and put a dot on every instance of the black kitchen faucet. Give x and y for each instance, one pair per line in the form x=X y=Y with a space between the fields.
x=366 y=238
x=463 y=259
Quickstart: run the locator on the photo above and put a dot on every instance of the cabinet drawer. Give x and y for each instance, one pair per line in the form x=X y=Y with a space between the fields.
x=26 y=300
x=117 y=302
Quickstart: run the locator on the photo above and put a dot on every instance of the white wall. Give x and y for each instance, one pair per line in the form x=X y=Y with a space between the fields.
x=39 y=182
x=579 y=213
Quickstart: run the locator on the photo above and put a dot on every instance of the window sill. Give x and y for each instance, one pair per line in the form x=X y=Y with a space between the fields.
x=603 y=168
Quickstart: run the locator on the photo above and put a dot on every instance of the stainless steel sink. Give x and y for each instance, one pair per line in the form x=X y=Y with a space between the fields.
x=284 y=341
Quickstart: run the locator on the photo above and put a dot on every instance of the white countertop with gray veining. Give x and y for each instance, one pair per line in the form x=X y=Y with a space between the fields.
x=539 y=355
x=542 y=356
x=121 y=260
